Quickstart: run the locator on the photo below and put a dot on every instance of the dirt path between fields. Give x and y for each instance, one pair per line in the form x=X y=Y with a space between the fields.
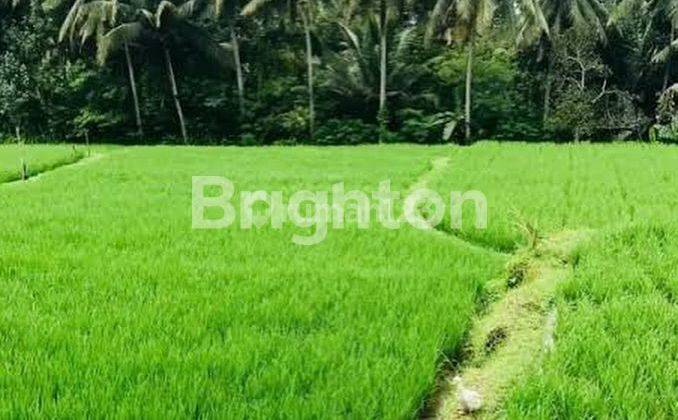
x=515 y=328
x=512 y=334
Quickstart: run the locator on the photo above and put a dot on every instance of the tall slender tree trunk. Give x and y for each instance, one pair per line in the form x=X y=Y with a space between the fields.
x=383 y=44
x=175 y=95
x=548 y=88
x=667 y=71
x=306 y=16
x=235 y=42
x=135 y=96
x=469 y=87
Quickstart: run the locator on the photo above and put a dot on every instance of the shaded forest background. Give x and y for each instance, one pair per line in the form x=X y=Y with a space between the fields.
x=338 y=71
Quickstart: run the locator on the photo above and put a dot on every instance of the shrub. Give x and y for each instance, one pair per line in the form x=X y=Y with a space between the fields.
x=666 y=129
x=350 y=131
x=292 y=124
x=418 y=127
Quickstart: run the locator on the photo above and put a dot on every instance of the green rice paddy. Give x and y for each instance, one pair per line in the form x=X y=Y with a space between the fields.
x=36 y=158
x=112 y=305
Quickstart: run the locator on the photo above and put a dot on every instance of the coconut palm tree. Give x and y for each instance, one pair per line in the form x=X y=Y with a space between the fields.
x=305 y=9
x=545 y=21
x=229 y=9
x=352 y=72
x=91 y=20
x=659 y=16
x=462 y=21
x=162 y=30
x=388 y=11
x=666 y=11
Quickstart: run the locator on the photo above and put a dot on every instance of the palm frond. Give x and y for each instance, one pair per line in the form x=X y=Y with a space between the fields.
x=67 y=27
x=164 y=14
x=200 y=40
x=116 y=39
x=254 y=7
x=662 y=56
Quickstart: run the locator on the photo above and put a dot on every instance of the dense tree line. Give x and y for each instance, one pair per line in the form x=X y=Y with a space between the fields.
x=338 y=71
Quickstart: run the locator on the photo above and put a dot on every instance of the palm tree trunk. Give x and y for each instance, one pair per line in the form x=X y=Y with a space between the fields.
x=175 y=95
x=135 y=96
x=469 y=87
x=309 y=62
x=238 y=69
x=548 y=88
x=667 y=71
x=382 y=68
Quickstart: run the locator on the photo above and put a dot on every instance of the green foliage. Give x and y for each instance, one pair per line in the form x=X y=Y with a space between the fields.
x=15 y=82
x=180 y=328
x=334 y=132
x=418 y=127
x=666 y=129
x=555 y=187
x=629 y=45
x=502 y=107
x=351 y=78
x=290 y=125
x=90 y=121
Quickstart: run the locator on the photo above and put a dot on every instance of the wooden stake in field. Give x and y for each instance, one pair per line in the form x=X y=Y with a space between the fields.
x=24 y=165
x=24 y=170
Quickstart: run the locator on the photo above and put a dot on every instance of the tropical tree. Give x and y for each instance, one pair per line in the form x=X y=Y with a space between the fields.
x=91 y=20
x=162 y=30
x=660 y=38
x=229 y=10
x=544 y=22
x=666 y=11
x=305 y=9
x=388 y=12
x=353 y=72
x=462 y=21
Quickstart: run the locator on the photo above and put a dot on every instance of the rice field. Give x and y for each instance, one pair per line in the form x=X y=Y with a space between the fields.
x=36 y=158
x=617 y=334
x=112 y=305
x=563 y=187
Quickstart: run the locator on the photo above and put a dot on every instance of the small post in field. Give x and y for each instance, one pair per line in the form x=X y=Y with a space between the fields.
x=24 y=170
x=89 y=150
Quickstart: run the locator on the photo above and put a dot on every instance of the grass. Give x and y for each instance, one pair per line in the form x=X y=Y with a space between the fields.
x=38 y=159
x=112 y=304
x=135 y=314
x=616 y=339
x=557 y=188
x=515 y=329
